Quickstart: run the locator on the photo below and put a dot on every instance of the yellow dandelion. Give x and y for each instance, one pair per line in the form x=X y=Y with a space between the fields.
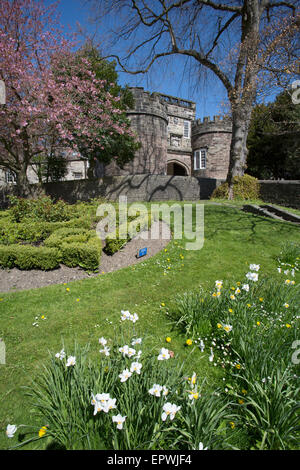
x=238 y=366
x=261 y=299
x=163 y=304
x=231 y=424
x=42 y=431
x=214 y=295
x=189 y=342
x=244 y=392
x=288 y=325
x=258 y=323
x=238 y=283
x=68 y=289
x=219 y=325
x=230 y=310
x=241 y=402
x=77 y=300
x=168 y=339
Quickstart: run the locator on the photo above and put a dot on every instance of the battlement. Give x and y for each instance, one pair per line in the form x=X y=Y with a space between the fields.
x=226 y=119
x=147 y=103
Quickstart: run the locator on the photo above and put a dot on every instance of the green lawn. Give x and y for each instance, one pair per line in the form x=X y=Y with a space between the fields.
x=233 y=240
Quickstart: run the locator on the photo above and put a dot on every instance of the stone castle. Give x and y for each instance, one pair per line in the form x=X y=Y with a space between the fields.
x=172 y=142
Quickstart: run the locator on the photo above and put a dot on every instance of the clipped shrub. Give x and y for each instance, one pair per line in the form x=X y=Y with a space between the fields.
x=68 y=235
x=29 y=257
x=86 y=255
x=31 y=231
x=42 y=208
x=244 y=187
x=114 y=243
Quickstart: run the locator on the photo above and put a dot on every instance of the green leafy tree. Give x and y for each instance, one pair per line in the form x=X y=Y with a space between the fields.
x=274 y=140
x=114 y=145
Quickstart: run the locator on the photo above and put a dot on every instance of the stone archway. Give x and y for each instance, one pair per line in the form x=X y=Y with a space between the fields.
x=176 y=168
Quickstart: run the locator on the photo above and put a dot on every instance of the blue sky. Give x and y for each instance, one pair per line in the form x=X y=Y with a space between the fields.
x=208 y=98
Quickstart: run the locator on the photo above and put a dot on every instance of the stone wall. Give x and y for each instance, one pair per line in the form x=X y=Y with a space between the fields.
x=285 y=193
x=156 y=188
x=134 y=187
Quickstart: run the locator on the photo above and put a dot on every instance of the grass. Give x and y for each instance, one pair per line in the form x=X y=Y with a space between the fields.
x=233 y=240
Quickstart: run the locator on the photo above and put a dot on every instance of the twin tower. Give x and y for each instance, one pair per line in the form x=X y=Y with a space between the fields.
x=172 y=141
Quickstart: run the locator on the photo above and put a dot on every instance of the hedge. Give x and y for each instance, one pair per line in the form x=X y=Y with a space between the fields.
x=86 y=255
x=114 y=244
x=31 y=232
x=29 y=257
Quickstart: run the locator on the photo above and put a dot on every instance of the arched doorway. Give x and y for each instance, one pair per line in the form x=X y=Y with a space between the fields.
x=176 y=169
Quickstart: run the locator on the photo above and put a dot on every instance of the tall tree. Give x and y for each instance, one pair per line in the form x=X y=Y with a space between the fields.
x=234 y=39
x=274 y=139
x=43 y=109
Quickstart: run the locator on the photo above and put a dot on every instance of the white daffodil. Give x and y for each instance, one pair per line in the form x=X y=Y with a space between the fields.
x=102 y=341
x=125 y=315
x=61 y=355
x=279 y=270
x=136 y=367
x=254 y=267
x=138 y=355
x=227 y=328
x=119 y=420
x=201 y=446
x=10 y=430
x=136 y=341
x=252 y=277
x=193 y=395
x=219 y=284
x=131 y=352
x=134 y=317
x=201 y=345
x=102 y=397
x=245 y=287
x=211 y=357
x=169 y=409
x=125 y=375
x=155 y=390
x=105 y=351
x=165 y=391
x=110 y=404
x=163 y=354
x=71 y=361
x=127 y=351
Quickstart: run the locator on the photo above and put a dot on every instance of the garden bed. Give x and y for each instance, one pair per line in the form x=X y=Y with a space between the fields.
x=17 y=279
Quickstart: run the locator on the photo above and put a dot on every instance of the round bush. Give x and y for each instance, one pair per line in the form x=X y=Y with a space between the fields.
x=244 y=187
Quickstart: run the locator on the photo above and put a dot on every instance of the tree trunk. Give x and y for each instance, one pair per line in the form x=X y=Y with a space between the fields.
x=23 y=186
x=238 y=147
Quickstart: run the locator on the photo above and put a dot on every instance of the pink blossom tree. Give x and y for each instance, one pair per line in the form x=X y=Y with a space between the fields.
x=52 y=95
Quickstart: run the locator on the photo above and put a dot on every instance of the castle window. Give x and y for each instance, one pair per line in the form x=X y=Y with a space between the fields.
x=200 y=159
x=186 y=129
x=10 y=177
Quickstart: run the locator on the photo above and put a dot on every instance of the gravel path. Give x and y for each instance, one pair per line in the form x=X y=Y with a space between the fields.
x=15 y=279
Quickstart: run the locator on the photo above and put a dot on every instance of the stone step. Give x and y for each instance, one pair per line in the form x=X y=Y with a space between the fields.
x=268 y=210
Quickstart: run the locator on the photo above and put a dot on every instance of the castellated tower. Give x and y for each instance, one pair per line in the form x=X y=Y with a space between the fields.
x=149 y=121
x=211 y=147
